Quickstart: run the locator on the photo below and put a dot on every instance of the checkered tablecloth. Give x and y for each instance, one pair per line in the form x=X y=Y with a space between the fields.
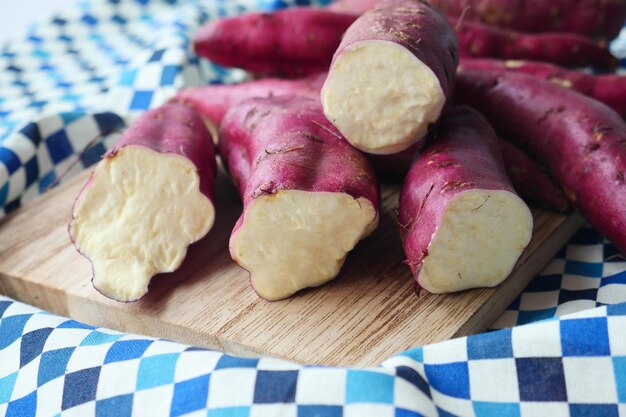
x=70 y=87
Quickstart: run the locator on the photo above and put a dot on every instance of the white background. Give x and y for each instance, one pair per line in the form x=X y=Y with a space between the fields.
x=17 y=15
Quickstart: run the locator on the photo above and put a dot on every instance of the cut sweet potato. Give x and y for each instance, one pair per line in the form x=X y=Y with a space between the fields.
x=308 y=196
x=462 y=225
x=391 y=76
x=149 y=198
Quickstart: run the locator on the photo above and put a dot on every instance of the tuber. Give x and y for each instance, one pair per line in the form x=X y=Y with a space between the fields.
x=591 y=18
x=308 y=196
x=607 y=88
x=213 y=101
x=481 y=41
x=391 y=76
x=462 y=225
x=290 y=42
x=147 y=200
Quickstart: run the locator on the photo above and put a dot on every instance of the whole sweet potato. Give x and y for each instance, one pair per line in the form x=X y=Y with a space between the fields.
x=213 y=101
x=308 y=196
x=581 y=141
x=149 y=198
x=290 y=42
x=391 y=76
x=607 y=88
x=477 y=40
x=592 y=18
x=462 y=225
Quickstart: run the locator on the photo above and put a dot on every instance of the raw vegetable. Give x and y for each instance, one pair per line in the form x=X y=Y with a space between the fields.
x=308 y=196
x=593 y=18
x=581 y=141
x=607 y=88
x=149 y=198
x=290 y=42
x=481 y=41
x=213 y=101
x=462 y=225
x=391 y=76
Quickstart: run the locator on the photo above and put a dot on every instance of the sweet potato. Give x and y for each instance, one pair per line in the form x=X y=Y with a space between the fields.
x=481 y=41
x=147 y=200
x=308 y=196
x=592 y=18
x=391 y=76
x=290 y=42
x=530 y=181
x=581 y=141
x=213 y=101
x=607 y=88
x=462 y=225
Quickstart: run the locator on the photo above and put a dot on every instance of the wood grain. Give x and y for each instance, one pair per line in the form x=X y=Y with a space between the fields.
x=367 y=314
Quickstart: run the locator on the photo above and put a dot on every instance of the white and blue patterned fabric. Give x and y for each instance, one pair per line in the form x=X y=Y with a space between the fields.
x=574 y=366
x=70 y=87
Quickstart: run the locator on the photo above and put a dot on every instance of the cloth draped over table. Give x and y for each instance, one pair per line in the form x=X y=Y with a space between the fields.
x=70 y=87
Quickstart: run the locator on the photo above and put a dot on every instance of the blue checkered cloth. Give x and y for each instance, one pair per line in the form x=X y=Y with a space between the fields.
x=573 y=366
x=70 y=87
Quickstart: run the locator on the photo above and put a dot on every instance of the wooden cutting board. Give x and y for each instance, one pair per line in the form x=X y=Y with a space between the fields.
x=366 y=315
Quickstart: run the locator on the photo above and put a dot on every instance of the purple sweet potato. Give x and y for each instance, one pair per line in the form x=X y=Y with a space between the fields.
x=391 y=76
x=530 y=181
x=213 y=101
x=308 y=196
x=148 y=199
x=607 y=88
x=462 y=225
x=292 y=42
x=477 y=40
x=581 y=141
x=592 y=18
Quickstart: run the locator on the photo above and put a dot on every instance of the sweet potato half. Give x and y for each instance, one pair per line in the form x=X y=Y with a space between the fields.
x=308 y=196
x=391 y=76
x=462 y=225
x=147 y=200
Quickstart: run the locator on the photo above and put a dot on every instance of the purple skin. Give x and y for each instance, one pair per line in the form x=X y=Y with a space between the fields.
x=530 y=181
x=462 y=156
x=291 y=42
x=477 y=40
x=609 y=89
x=581 y=141
x=171 y=128
x=286 y=143
x=213 y=101
x=416 y=26
x=592 y=18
